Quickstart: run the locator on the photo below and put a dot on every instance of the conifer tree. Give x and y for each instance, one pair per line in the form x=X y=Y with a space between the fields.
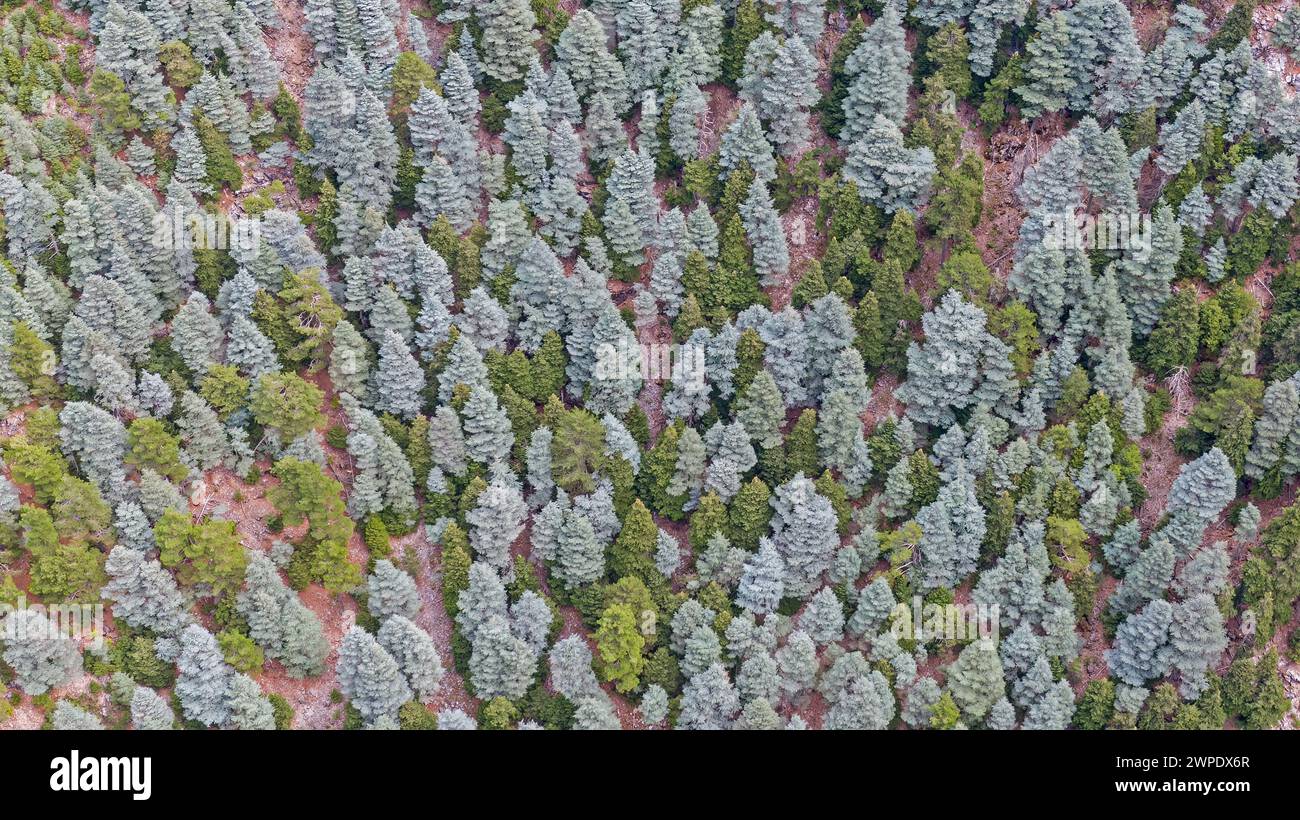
x=496 y=521
x=1047 y=68
x=488 y=435
x=1180 y=140
x=763 y=227
x=975 y=680
x=250 y=710
x=501 y=664
x=149 y=712
x=483 y=598
x=786 y=354
x=42 y=658
x=944 y=373
x=579 y=553
x=709 y=700
x=619 y=643
x=571 y=671
x=743 y=141
x=732 y=457
x=684 y=122
x=582 y=52
x=761 y=410
x=392 y=592
x=370 y=677
x=823 y=619
x=415 y=654
x=1141 y=651
x=196 y=334
x=350 y=360
x=880 y=72
x=762 y=584
x=865 y=702
x=1203 y=487
x=886 y=172
x=204 y=678
x=1275 y=426
x=804 y=533
x=1197 y=639
x=67 y=717
x=144 y=595
x=398 y=379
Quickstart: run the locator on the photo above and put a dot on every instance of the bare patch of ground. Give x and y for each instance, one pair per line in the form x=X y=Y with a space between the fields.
x=1014 y=148
x=292 y=47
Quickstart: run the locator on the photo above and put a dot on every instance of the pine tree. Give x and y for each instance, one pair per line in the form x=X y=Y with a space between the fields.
x=619 y=643
x=1204 y=487
x=804 y=533
x=887 y=173
x=744 y=141
x=204 y=677
x=144 y=595
x=880 y=72
x=149 y=712
x=761 y=410
x=249 y=709
x=571 y=671
x=415 y=654
x=579 y=553
x=1197 y=639
x=1140 y=651
x=709 y=701
x=370 y=677
x=392 y=592
x=496 y=521
x=975 y=680
x=41 y=657
x=501 y=664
